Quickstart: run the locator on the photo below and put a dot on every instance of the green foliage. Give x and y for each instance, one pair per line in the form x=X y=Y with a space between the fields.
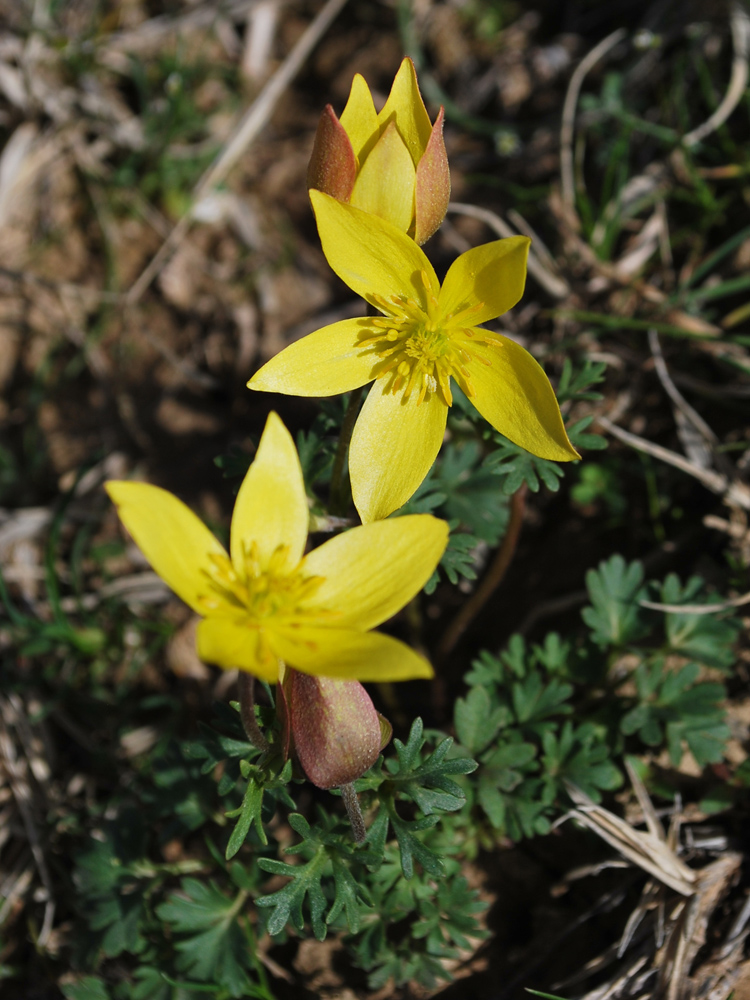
x=211 y=938
x=333 y=879
x=516 y=716
x=436 y=921
x=615 y=616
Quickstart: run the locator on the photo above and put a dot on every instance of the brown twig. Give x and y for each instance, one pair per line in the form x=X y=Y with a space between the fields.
x=734 y=493
x=246 y=691
x=492 y=578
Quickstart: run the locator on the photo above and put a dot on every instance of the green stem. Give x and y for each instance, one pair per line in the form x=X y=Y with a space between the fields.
x=339 y=492
x=354 y=812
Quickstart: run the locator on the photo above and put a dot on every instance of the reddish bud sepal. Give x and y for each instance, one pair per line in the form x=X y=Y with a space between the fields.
x=336 y=731
x=333 y=165
x=433 y=184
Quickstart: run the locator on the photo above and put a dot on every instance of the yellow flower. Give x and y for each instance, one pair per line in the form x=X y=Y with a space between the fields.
x=426 y=336
x=391 y=164
x=265 y=603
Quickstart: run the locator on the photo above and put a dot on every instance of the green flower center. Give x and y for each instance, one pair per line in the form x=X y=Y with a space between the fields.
x=258 y=594
x=418 y=350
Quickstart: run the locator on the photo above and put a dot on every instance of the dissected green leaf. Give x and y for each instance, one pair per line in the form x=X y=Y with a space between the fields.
x=615 y=616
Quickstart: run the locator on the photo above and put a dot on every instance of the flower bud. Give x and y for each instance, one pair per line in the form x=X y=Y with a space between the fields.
x=391 y=164
x=337 y=733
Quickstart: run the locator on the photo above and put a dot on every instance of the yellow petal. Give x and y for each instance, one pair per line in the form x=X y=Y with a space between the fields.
x=173 y=539
x=493 y=274
x=385 y=185
x=348 y=654
x=406 y=108
x=373 y=257
x=512 y=392
x=372 y=571
x=232 y=646
x=271 y=508
x=393 y=446
x=324 y=363
x=360 y=119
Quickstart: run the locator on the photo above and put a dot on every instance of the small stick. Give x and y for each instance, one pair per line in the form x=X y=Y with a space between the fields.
x=246 y=690
x=492 y=579
x=354 y=812
x=733 y=493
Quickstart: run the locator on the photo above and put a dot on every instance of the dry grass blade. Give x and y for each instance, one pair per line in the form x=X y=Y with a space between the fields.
x=16 y=769
x=643 y=849
x=687 y=921
x=698 y=609
x=740 y=23
x=734 y=493
x=690 y=414
x=569 y=113
x=254 y=120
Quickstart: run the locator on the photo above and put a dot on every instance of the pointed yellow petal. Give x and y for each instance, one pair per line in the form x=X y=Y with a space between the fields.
x=493 y=274
x=271 y=507
x=372 y=571
x=348 y=654
x=393 y=446
x=406 y=108
x=385 y=184
x=232 y=646
x=324 y=363
x=360 y=118
x=369 y=254
x=173 y=539
x=512 y=392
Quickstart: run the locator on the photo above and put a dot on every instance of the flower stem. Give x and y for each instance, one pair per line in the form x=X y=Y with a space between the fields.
x=492 y=578
x=246 y=691
x=339 y=494
x=353 y=811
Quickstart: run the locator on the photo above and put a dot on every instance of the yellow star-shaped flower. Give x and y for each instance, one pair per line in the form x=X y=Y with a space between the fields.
x=265 y=602
x=427 y=336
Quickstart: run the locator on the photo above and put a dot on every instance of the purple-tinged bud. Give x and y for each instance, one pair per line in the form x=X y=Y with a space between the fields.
x=336 y=731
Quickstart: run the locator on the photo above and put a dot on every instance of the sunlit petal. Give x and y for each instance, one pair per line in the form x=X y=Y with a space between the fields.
x=406 y=108
x=324 y=363
x=512 y=392
x=173 y=539
x=394 y=444
x=493 y=274
x=230 y=645
x=360 y=119
x=271 y=508
x=371 y=572
x=348 y=654
x=372 y=256
x=394 y=201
